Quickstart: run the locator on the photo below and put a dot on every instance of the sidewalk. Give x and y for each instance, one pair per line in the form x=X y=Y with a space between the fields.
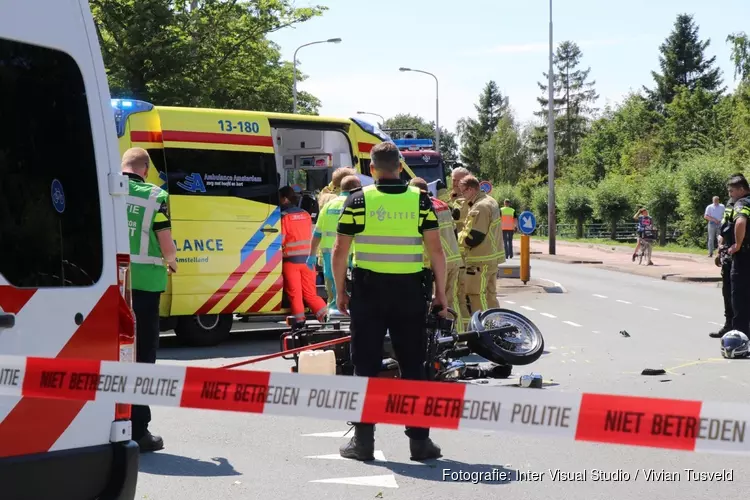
x=667 y=265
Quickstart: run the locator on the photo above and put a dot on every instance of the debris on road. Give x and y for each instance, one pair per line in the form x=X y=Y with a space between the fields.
x=533 y=381
x=653 y=371
x=624 y=333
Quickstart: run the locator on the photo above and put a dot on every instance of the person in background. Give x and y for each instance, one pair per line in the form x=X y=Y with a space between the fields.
x=508 y=215
x=151 y=246
x=299 y=280
x=333 y=189
x=714 y=214
x=644 y=221
x=482 y=241
x=325 y=234
x=453 y=260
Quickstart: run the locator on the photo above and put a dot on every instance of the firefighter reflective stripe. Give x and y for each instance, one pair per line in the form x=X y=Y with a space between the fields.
x=508 y=215
x=391 y=242
x=151 y=205
x=448 y=237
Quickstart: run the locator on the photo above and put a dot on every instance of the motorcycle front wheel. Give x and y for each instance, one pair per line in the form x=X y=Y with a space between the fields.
x=522 y=347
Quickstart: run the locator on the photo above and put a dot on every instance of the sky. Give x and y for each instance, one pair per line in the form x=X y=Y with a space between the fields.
x=467 y=43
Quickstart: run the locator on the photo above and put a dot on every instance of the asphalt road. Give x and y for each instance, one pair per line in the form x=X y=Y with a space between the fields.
x=212 y=455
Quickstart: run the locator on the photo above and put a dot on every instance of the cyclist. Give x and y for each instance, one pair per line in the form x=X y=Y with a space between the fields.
x=644 y=230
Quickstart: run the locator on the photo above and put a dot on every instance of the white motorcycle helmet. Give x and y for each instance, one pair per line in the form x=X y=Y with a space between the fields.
x=734 y=344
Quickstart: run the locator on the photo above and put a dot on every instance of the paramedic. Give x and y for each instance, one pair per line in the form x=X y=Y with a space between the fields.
x=333 y=189
x=390 y=225
x=325 y=234
x=482 y=240
x=450 y=249
x=151 y=245
x=299 y=281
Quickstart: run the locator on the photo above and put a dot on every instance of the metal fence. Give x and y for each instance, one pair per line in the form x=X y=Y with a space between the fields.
x=625 y=231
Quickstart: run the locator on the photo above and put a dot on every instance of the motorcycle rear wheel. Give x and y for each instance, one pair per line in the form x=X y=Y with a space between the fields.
x=522 y=348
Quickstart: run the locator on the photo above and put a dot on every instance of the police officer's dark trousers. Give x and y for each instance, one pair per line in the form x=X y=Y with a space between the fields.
x=146 y=308
x=397 y=304
x=726 y=292
x=740 y=278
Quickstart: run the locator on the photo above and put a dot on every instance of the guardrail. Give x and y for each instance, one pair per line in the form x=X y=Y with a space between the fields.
x=625 y=231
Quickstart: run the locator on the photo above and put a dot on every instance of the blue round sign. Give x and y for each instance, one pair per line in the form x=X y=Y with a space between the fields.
x=526 y=222
x=485 y=186
x=58 y=196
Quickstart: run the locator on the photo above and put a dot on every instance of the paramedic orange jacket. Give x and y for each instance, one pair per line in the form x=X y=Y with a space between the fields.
x=296 y=231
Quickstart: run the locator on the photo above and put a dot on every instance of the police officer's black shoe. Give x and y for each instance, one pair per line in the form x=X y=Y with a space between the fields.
x=149 y=442
x=423 y=449
x=720 y=333
x=362 y=446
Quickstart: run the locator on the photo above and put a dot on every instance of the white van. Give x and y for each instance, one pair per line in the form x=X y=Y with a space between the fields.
x=64 y=266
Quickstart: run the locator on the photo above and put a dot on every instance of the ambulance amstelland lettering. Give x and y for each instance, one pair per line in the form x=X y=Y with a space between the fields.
x=222 y=170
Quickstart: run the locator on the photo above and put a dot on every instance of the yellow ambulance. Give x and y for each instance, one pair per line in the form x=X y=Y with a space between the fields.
x=223 y=170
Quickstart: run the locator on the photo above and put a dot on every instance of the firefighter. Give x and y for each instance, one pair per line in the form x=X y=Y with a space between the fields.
x=459 y=210
x=299 y=280
x=390 y=225
x=151 y=247
x=450 y=249
x=325 y=234
x=482 y=240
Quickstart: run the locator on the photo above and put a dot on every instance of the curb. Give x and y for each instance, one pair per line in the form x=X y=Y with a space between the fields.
x=682 y=278
x=568 y=260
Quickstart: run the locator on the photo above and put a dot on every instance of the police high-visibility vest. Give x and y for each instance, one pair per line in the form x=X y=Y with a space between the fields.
x=327 y=222
x=148 y=271
x=508 y=215
x=391 y=242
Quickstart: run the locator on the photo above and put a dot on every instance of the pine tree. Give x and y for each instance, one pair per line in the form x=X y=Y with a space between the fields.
x=473 y=133
x=683 y=63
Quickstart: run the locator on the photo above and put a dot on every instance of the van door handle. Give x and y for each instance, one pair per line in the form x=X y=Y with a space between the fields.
x=270 y=230
x=7 y=320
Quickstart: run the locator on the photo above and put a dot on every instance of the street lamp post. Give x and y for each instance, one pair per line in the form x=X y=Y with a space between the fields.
x=437 y=105
x=294 y=84
x=382 y=120
x=551 y=212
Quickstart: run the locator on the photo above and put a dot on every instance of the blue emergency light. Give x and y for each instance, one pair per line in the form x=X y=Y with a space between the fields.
x=414 y=143
x=126 y=107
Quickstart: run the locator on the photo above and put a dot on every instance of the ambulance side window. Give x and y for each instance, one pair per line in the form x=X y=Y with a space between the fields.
x=241 y=174
x=50 y=221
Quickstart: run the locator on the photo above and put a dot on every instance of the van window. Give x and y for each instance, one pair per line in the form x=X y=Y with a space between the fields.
x=50 y=221
x=241 y=174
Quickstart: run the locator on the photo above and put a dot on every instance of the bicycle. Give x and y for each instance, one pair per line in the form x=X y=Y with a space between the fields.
x=645 y=251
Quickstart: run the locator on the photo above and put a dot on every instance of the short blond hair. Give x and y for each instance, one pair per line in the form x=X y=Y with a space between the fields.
x=470 y=182
x=420 y=183
x=350 y=182
x=340 y=173
x=135 y=159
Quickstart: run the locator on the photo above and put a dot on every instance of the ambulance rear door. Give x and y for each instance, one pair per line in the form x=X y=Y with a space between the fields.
x=223 y=187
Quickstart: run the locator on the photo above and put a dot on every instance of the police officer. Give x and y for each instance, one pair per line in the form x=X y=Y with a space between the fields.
x=151 y=246
x=482 y=239
x=390 y=225
x=325 y=233
x=452 y=253
x=739 y=249
x=725 y=240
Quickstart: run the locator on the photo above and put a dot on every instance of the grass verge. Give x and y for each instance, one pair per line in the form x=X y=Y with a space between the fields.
x=670 y=247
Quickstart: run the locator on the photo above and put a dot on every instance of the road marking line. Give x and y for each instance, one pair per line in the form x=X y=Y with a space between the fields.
x=600 y=296
x=623 y=301
x=649 y=307
x=335 y=434
x=548 y=315
x=386 y=481
x=594 y=331
x=527 y=308
x=378 y=454
x=682 y=316
x=571 y=323
x=551 y=347
x=509 y=302
x=714 y=323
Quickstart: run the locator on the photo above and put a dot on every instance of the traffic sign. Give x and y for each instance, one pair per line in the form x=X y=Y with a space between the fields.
x=526 y=222
x=485 y=186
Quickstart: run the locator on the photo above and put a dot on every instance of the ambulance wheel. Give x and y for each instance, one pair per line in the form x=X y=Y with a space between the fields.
x=205 y=330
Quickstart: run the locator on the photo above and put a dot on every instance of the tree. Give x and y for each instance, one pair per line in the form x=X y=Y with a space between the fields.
x=503 y=157
x=612 y=201
x=661 y=196
x=576 y=204
x=426 y=130
x=740 y=55
x=209 y=53
x=683 y=63
x=472 y=133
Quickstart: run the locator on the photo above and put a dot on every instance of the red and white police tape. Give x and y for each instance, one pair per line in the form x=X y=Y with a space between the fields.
x=614 y=419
